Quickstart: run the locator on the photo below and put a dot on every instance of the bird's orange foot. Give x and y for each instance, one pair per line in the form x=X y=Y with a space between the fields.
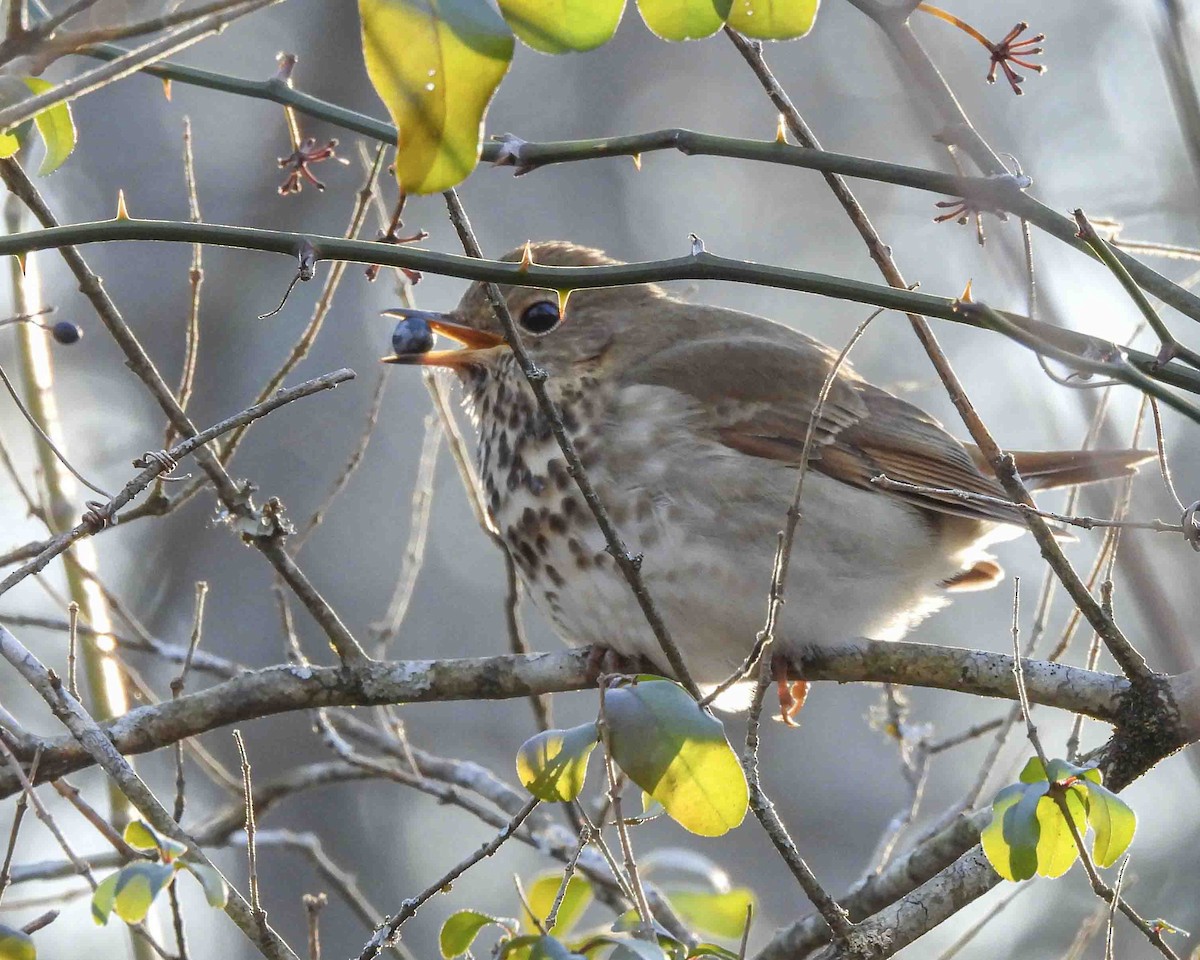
x=792 y=693
x=602 y=661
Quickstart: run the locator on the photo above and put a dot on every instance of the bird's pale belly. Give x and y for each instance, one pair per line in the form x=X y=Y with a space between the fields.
x=707 y=537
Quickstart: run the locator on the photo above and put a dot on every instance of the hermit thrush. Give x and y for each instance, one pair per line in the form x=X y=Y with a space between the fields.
x=690 y=422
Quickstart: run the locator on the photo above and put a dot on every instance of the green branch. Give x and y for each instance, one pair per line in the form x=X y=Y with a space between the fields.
x=1000 y=193
x=705 y=266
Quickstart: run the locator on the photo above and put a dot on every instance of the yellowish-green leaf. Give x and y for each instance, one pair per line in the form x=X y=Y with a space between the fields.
x=1056 y=847
x=102 y=899
x=517 y=948
x=137 y=886
x=677 y=753
x=563 y=26
x=460 y=930
x=1114 y=822
x=56 y=127
x=9 y=145
x=1029 y=834
x=1013 y=861
x=721 y=914
x=141 y=836
x=552 y=765
x=435 y=64
x=216 y=892
x=16 y=944
x=773 y=19
x=541 y=894
x=548 y=948
x=684 y=19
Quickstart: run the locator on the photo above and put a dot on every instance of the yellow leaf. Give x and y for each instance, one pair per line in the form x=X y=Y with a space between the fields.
x=562 y=26
x=773 y=19
x=435 y=64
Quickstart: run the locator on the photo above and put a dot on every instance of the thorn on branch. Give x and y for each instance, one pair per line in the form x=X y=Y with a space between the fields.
x=287 y=63
x=510 y=154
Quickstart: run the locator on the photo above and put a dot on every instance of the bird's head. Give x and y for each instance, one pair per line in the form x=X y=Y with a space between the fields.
x=558 y=335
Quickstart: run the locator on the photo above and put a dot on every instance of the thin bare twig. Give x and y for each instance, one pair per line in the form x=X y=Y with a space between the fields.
x=187 y=377
x=408 y=908
x=1087 y=523
x=22 y=805
x=45 y=437
x=256 y=908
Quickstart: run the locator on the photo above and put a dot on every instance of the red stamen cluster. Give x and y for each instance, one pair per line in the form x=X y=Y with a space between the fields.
x=961 y=211
x=299 y=161
x=1010 y=51
x=391 y=236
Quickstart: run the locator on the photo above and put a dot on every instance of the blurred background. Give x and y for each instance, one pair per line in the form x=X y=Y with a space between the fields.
x=1098 y=130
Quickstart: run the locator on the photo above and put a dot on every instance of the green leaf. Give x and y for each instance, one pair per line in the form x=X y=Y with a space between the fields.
x=688 y=863
x=141 y=836
x=435 y=64
x=1011 y=861
x=1093 y=774
x=1022 y=828
x=136 y=887
x=541 y=894
x=1029 y=834
x=721 y=914
x=460 y=930
x=1060 y=771
x=678 y=754
x=9 y=145
x=102 y=899
x=1033 y=771
x=684 y=19
x=547 y=948
x=552 y=765
x=56 y=126
x=1114 y=822
x=16 y=944
x=216 y=891
x=517 y=948
x=563 y=26
x=773 y=19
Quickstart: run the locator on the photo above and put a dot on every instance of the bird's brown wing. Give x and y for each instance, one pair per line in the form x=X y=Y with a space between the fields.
x=757 y=396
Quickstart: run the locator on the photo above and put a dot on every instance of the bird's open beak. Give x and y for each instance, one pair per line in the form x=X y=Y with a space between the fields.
x=474 y=342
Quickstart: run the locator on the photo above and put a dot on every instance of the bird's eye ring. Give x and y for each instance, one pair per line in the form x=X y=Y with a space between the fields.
x=540 y=318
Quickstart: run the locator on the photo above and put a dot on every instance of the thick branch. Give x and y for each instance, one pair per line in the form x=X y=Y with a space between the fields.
x=284 y=689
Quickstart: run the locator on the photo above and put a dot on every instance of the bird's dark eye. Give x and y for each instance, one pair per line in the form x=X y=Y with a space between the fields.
x=540 y=317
